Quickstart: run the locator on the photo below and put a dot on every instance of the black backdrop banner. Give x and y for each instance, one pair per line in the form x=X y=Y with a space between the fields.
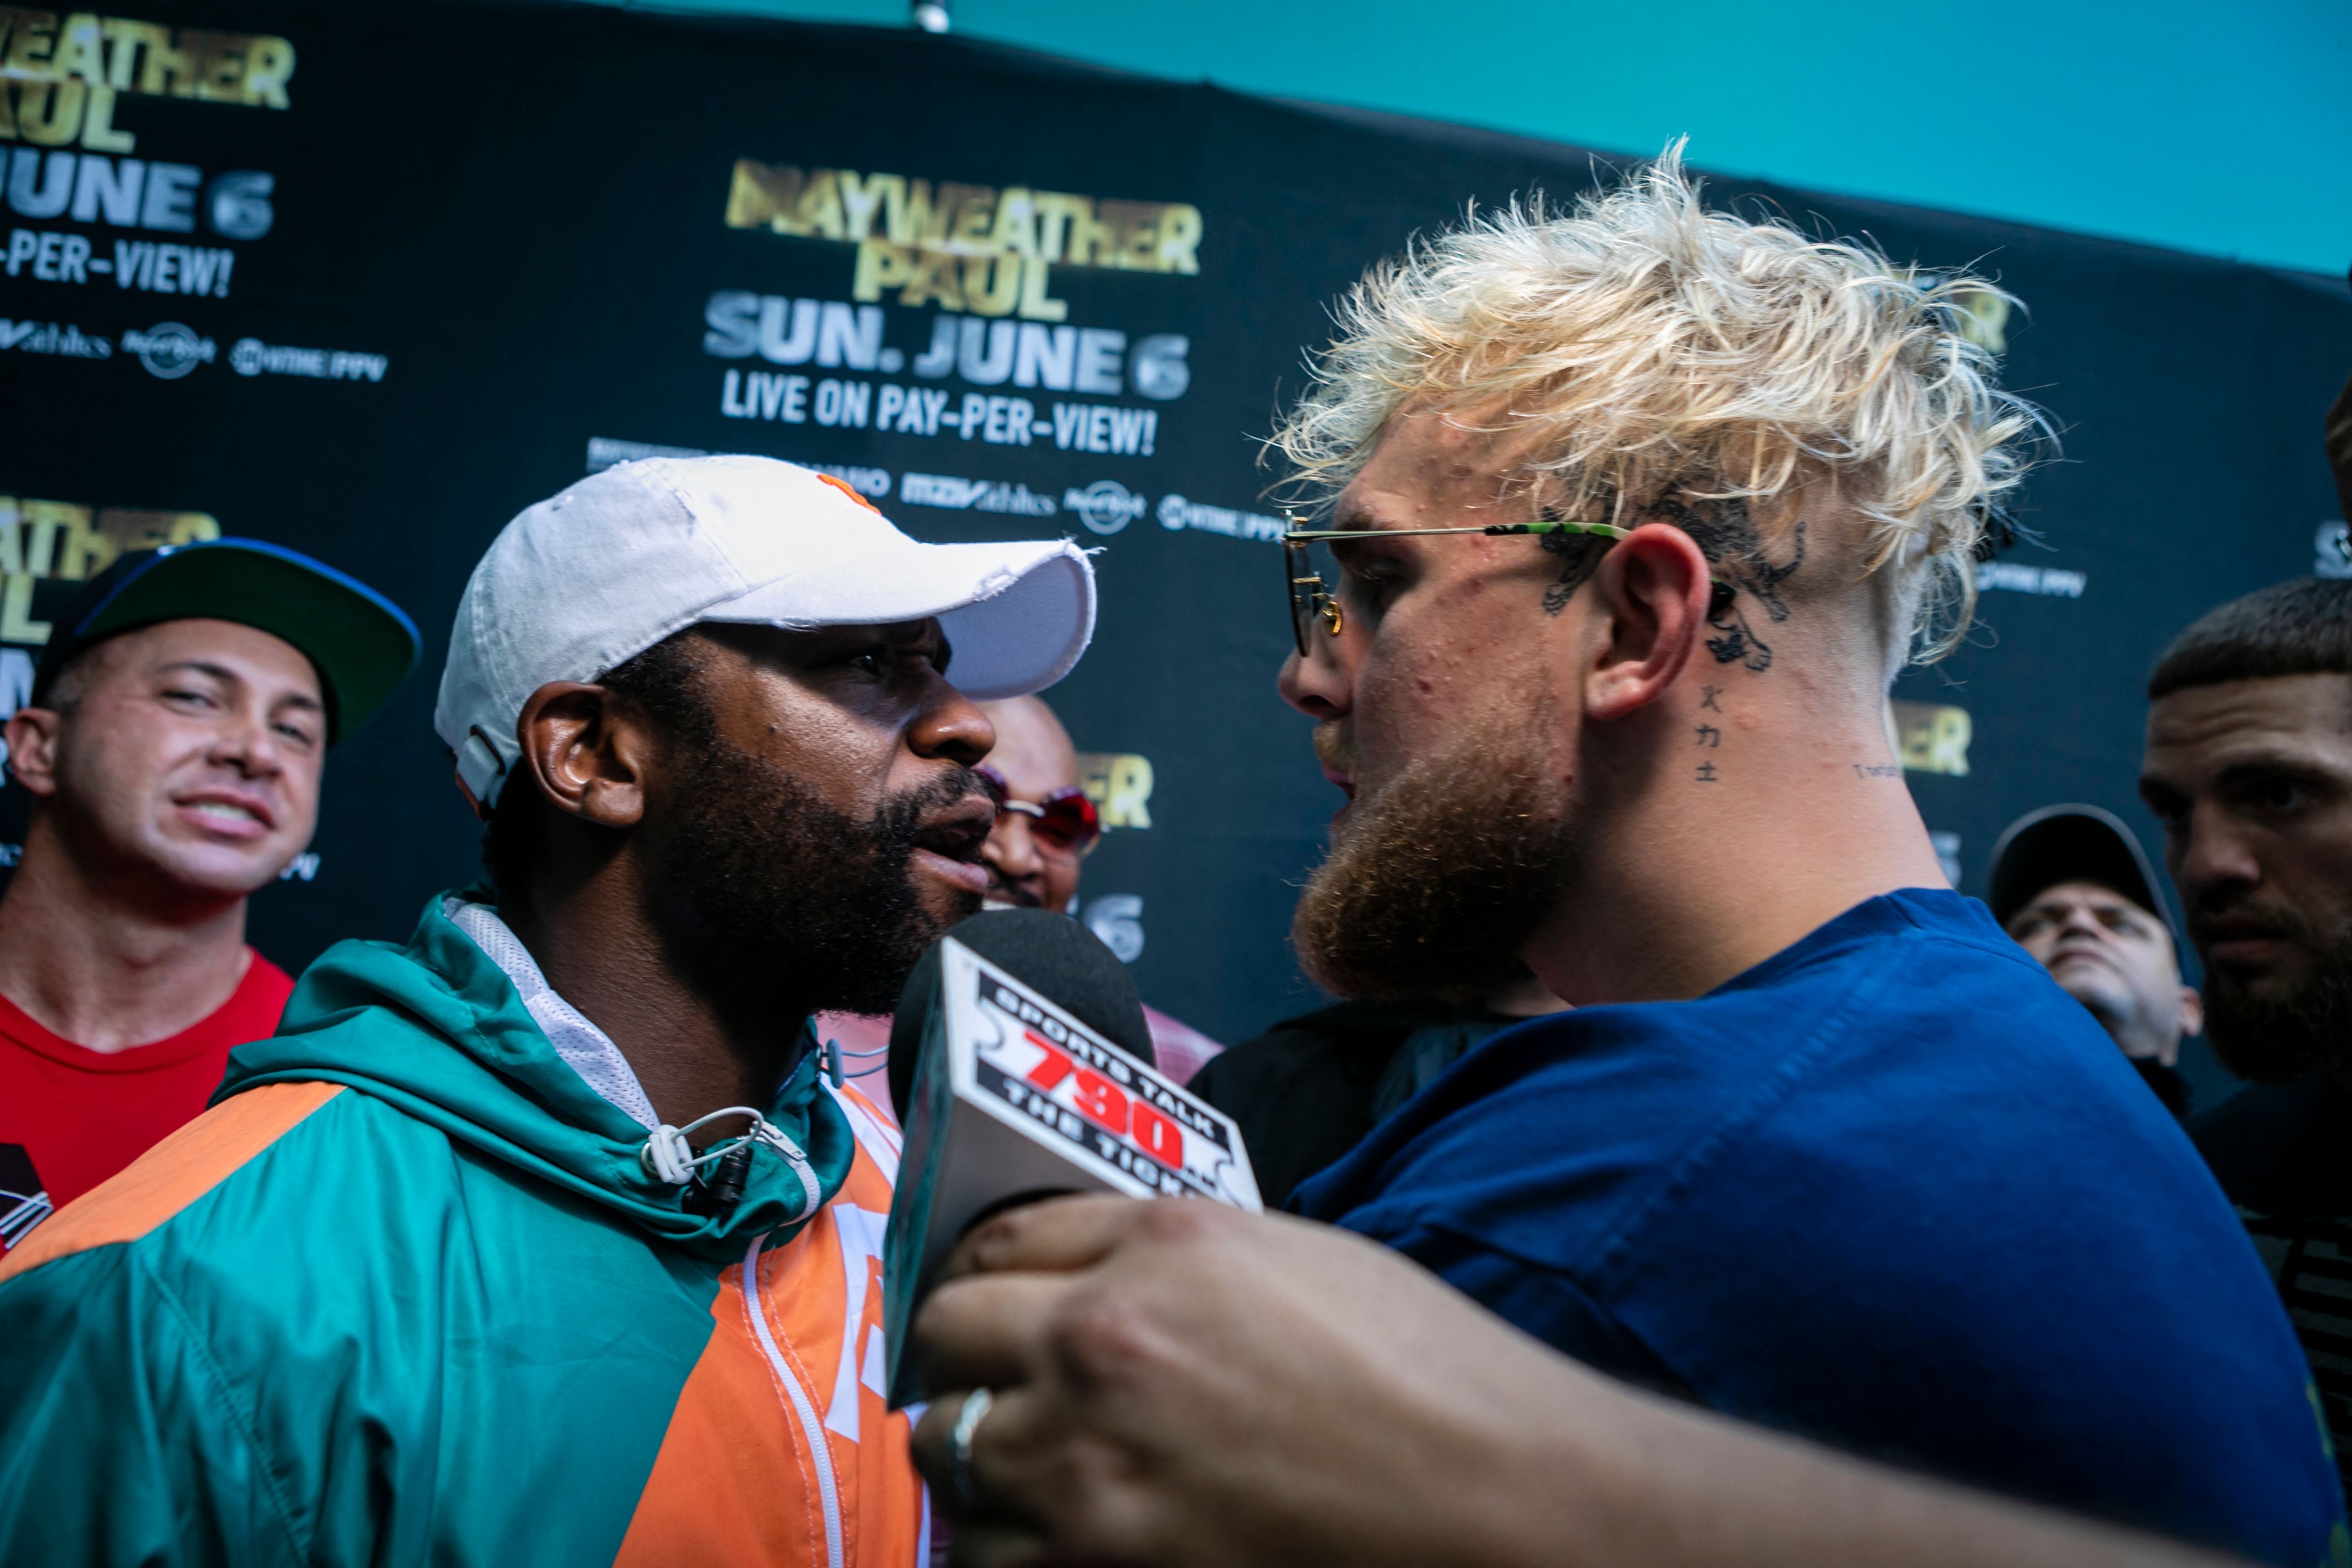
x=368 y=280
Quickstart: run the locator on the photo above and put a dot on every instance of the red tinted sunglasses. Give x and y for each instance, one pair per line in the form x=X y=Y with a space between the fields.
x=1065 y=822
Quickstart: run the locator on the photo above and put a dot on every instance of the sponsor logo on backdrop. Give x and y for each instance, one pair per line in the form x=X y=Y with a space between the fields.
x=1105 y=505
x=2016 y=577
x=169 y=350
x=251 y=356
x=53 y=338
x=974 y=495
x=1176 y=513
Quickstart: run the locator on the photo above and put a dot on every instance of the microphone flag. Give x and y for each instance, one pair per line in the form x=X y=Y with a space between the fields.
x=1015 y=1099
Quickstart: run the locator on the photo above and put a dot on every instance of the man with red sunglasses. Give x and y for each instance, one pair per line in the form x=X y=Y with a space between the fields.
x=1046 y=825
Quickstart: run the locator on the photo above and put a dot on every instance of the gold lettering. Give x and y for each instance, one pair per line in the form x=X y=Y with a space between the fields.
x=125 y=530
x=192 y=526
x=1134 y=227
x=861 y=198
x=49 y=113
x=909 y=216
x=992 y=284
x=880 y=265
x=818 y=211
x=1180 y=237
x=974 y=207
x=220 y=70
x=1119 y=784
x=81 y=550
x=935 y=277
x=16 y=622
x=1015 y=231
x=98 y=132
x=268 y=66
x=1093 y=242
x=48 y=520
x=124 y=39
x=8 y=111
x=1034 y=304
x=1933 y=737
x=33 y=35
x=1056 y=213
x=81 y=50
x=760 y=194
x=1044 y=227
x=169 y=68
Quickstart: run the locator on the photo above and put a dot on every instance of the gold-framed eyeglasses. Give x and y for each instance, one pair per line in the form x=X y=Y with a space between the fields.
x=1312 y=599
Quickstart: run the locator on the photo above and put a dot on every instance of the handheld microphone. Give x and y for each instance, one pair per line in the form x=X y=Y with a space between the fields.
x=1026 y=1067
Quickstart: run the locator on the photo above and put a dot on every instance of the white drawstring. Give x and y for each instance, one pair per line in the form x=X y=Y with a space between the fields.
x=667 y=1156
x=833 y=1055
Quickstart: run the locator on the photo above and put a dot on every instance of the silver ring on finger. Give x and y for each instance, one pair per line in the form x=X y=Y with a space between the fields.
x=976 y=1406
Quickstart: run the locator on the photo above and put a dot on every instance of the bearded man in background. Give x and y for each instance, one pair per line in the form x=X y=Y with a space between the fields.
x=2249 y=766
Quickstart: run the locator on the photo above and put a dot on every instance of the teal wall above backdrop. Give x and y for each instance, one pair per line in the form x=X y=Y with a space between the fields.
x=2221 y=130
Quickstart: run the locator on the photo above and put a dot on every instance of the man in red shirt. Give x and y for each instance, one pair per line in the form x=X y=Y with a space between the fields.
x=172 y=744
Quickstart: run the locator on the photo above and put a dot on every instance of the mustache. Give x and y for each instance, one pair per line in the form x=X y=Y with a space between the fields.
x=2244 y=916
x=1333 y=749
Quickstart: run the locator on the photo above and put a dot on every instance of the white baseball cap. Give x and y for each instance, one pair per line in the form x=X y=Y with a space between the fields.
x=599 y=573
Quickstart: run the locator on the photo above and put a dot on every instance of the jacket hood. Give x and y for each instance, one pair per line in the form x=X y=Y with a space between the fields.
x=436 y=1029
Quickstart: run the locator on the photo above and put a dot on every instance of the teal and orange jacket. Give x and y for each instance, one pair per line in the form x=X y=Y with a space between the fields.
x=406 y=1294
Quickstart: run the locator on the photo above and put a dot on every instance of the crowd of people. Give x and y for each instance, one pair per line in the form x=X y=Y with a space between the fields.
x=1685 y=1173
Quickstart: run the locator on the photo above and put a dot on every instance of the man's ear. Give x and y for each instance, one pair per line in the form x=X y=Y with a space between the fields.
x=2193 y=1012
x=590 y=755
x=31 y=736
x=1652 y=587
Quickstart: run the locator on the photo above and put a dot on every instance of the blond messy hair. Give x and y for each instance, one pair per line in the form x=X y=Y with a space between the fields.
x=1656 y=350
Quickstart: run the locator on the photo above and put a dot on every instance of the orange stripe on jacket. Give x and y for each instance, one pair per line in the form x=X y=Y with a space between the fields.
x=173 y=1174
x=734 y=1482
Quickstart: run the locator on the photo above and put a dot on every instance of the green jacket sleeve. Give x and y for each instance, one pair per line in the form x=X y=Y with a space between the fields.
x=120 y=1442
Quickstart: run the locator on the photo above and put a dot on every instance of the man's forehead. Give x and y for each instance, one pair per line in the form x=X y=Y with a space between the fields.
x=2297 y=714
x=2077 y=889
x=1423 y=457
x=246 y=653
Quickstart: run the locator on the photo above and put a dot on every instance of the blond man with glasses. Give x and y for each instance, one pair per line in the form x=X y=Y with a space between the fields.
x=1635 y=514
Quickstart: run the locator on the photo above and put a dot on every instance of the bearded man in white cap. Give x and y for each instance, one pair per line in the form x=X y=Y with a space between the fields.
x=543 y=1236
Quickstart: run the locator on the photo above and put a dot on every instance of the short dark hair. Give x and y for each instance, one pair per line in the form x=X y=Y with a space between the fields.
x=2303 y=627
x=664 y=681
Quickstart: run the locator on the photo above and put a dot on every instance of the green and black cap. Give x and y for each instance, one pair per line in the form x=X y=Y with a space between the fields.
x=361 y=644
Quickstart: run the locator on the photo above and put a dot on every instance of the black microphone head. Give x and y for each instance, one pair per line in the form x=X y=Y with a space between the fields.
x=1061 y=959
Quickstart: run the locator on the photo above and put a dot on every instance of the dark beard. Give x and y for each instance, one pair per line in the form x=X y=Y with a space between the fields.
x=2286 y=1034
x=1435 y=883
x=773 y=904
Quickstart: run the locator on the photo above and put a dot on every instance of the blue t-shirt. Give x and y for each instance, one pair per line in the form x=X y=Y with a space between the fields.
x=1892 y=1189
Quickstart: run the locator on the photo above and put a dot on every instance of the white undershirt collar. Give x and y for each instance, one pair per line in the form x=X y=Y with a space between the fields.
x=588 y=1049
